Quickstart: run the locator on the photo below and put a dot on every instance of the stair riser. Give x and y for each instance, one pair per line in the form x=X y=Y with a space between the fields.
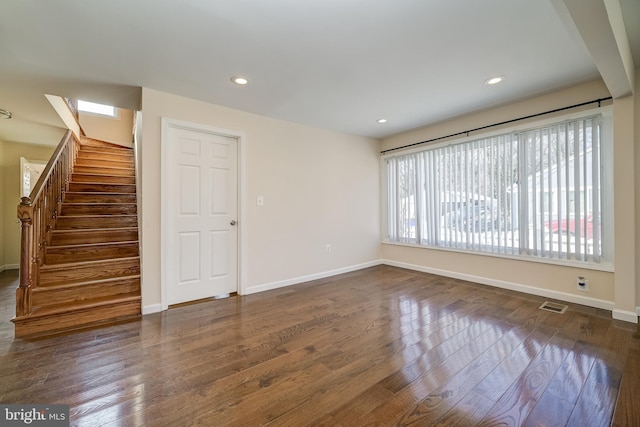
x=43 y=296
x=75 y=320
x=102 y=155
x=60 y=238
x=99 y=271
x=101 y=188
x=78 y=222
x=99 y=198
x=107 y=171
x=58 y=255
x=103 y=163
x=98 y=209
x=107 y=179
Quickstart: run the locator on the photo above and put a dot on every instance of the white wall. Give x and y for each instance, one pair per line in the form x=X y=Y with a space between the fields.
x=319 y=188
x=534 y=277
x=118 y=130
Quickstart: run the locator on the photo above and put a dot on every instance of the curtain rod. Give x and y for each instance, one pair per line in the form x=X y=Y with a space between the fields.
x=467 y=132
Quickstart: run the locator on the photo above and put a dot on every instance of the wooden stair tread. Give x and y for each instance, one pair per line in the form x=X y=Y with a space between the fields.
x=107 y=150
x=57 y=323
x=96 y=175
x=78 y=264
x=93 y=230
x=84 y=305
x=90 y=252
x=101 y=187
x=98 y=208
x=87 y=283
x=93 y=235
x=81 y=291
x=100 y=183
x=98 y=204
x=87 y=161
x=95 y=216
x=116 y=149
x=87 y=245
x=103 y=168
x=102 y=178
x=104 y=197
x=77 y=271
x=94 y=193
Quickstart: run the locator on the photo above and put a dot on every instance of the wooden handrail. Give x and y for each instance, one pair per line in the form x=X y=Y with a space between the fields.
x=72 y=104
x=37 y=214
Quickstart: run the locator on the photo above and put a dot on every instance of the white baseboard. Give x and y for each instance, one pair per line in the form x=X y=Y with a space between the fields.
x=9 y=267
x=151 y=308
x=547 y=293
x=627 y=316
x=302 y=279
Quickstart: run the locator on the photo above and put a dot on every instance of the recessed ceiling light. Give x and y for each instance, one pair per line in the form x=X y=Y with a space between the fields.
x=382 y=120
x=494 y=80
x=239 y=80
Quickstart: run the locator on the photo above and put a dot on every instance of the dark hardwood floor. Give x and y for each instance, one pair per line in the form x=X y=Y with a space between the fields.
x=381 y=346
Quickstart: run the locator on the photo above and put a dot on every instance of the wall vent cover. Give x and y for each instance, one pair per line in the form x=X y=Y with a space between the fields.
x=552 y=306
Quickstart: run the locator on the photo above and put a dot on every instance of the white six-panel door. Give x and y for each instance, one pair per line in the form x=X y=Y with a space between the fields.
x=201 y=208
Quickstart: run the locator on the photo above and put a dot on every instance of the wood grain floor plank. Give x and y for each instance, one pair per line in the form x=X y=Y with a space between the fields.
x=494 y=385
x=627 y=412
x=515 y=405
x=451 y=392
x=379 y=346
x=550 y=411
x=572 y=375
x=468 y=412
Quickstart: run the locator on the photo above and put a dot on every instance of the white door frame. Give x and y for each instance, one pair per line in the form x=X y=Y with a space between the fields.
x=164 y=209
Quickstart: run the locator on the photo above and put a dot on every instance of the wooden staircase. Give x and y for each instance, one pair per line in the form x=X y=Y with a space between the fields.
x=90 y=274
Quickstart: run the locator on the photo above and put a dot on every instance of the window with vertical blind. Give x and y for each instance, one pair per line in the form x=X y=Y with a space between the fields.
x=540 y=192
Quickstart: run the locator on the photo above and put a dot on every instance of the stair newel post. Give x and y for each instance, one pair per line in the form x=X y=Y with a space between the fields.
x=27 y=259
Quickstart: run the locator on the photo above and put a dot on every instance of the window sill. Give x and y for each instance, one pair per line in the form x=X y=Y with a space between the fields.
x=604 y=266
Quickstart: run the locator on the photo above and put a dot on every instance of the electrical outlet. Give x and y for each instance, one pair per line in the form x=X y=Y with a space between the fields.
x=583 y=284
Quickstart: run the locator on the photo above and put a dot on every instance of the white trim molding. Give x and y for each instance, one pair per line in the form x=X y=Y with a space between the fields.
x=627 y=316
x=9 y=267
x=302 y=279
x=624 y=315
x=547 y=293
x=152 y=308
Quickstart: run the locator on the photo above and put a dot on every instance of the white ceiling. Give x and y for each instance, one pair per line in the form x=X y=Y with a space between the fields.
x=335 y=64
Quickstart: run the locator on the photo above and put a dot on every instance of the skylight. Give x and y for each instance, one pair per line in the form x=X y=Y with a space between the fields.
x=92 y=107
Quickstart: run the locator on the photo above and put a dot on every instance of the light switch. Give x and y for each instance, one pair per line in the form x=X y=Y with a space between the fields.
x=260 y=200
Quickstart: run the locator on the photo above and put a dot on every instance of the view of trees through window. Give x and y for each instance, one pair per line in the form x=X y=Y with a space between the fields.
x=536 y=192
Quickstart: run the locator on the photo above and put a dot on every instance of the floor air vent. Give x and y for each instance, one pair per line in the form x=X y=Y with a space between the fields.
x=552 y=306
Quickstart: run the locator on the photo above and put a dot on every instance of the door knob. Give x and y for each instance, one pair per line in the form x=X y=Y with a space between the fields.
x=233 y=222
